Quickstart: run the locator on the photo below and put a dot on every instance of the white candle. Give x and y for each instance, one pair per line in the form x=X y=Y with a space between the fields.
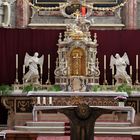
x=48 y=61
x=104 y=61
x=23 y=69
x=113 y=70
x=50 y=100
x=44 y=100
x=41 y=69
x=38 y=100
x=137 y=61
x=16 y=61
x=130 y=70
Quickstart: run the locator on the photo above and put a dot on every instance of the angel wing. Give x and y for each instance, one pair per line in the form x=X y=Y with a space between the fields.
x=41 y=60
x=27 y=59
x=112 y=61
x=125 y=58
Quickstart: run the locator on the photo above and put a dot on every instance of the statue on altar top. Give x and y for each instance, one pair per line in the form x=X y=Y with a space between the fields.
x=32 y=62
x=121 y=63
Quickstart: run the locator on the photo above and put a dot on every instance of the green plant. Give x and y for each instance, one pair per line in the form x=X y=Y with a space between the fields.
x=54 y=88
x=124 y=88
x=5 y=89
x=96 y=88
x=28 y=88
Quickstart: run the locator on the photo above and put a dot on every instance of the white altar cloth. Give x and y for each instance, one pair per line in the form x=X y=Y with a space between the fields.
x=130 y=110
x=78 y=93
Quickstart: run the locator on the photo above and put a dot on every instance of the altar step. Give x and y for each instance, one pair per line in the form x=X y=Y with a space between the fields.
x=62 y=128
x=97 y=124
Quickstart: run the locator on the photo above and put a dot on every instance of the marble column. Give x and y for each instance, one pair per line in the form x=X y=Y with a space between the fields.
x=130 y=18
x=22 y=13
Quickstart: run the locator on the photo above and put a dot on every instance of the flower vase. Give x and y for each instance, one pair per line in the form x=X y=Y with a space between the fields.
x=121 y=104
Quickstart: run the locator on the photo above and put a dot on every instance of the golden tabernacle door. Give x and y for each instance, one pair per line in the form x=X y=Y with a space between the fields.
x=77 y=62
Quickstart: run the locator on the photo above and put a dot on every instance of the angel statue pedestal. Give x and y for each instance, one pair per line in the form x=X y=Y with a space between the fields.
x=32 y=62
x=121 y=63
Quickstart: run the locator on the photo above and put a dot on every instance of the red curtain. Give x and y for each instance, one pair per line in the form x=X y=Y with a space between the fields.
x=20 y=41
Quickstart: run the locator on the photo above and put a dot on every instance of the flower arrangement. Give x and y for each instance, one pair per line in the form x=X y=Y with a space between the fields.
x=121 y=98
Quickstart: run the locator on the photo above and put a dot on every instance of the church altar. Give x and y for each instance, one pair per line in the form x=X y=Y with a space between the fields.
x=77 y=93
x=130 y=110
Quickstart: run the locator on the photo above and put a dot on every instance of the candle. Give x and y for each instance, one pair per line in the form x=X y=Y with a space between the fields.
x=113 y=70
x=50 y=100
x=137 y=61
x=44 y=100
x=16 y=61
x=38 y=100
x=41 y=69
x=83 y=9
x=130 y=70
x=23 y=69
x=105 y=62
x=48 y=61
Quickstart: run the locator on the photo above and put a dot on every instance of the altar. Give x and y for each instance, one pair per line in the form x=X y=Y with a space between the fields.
x=83 y=94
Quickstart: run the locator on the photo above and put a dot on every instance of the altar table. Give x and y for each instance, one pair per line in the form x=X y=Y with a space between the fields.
x=82 y=117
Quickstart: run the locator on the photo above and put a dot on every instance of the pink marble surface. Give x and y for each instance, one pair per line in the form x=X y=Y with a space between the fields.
x=130 y=14
x=21 y=13
x=96 y=138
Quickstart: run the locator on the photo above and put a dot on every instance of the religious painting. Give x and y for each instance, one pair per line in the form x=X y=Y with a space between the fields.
x=44 y=2
x=72 y=8
x=105 y=1
x=99 y=3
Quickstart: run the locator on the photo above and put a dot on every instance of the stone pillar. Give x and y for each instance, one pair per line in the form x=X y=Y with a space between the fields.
x=130 y=18
x=22 y=14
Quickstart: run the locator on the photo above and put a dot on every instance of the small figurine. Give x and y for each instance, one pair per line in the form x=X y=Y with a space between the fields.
x=32 y=62
x=121 y=63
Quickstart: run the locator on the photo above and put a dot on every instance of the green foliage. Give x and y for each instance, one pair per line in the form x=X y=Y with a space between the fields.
x=96 y=88
x=28 y=88
x=5 y=89
x=124 y=88
x=31 y=87
x=54 y=88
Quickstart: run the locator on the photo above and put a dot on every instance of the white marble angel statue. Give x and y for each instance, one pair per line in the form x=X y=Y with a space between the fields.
x=32 y=62
x=121 y=63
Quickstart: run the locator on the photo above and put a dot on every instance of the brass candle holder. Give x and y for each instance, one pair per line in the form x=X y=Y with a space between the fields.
x=105 y=80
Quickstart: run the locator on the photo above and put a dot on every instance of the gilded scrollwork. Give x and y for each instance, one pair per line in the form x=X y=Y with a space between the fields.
x=24 y=105
x=9 y=104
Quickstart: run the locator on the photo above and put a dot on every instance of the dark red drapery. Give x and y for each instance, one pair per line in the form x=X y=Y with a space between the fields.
x=20 y=41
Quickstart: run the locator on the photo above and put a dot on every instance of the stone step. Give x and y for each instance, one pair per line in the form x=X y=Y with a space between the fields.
x=97 y=124
x=67 y=129
x=42 y=128
x=46 y=123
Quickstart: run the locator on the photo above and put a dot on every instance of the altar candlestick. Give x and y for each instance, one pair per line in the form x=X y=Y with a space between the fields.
x=50 y=100
x=16 y=61
x=48 y=61
x=131 y=70
x=23 y=69
x=41 y=69
x=38 y=100
x=105 y=62
x=137 y=61
x=113 y=70
x=44 y=100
